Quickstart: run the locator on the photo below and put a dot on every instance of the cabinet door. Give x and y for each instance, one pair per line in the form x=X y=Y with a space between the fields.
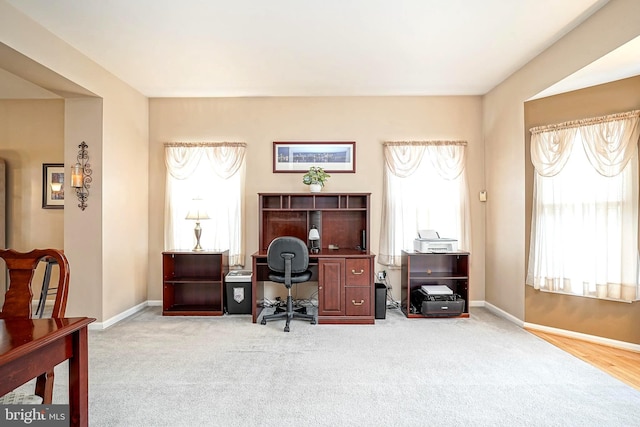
x=330 y=289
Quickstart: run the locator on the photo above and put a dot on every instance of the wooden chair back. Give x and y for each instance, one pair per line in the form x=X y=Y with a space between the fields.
x=22 y=265
x=18 y=302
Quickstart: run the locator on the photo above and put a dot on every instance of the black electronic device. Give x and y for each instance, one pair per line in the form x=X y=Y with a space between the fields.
x=437 y=305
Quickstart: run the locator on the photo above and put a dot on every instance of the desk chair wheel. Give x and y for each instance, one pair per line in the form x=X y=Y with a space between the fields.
x=263 y=322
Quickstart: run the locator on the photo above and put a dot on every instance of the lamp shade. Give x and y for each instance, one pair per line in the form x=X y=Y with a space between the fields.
x=197 y=211
x=313 y=234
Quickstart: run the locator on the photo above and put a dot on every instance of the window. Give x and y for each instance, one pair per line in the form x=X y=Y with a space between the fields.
x=425 y=187
x=215 y=173
x=584 y=234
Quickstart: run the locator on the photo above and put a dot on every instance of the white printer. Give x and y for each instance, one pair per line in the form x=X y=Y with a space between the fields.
x=430 y=241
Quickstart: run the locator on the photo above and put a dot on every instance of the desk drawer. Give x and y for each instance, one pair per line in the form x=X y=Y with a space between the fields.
x=358 y=301
x=357 y=272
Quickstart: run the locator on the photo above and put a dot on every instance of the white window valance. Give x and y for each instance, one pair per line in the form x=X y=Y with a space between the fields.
x=403 y=157
x=224 y=158
x=609 y=142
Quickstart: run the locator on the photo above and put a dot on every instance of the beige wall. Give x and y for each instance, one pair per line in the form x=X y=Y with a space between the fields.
x=504 y=133
x=368 y=120
x=31 y=133
x=83 y=122
x=112 y=232
x=570 y=312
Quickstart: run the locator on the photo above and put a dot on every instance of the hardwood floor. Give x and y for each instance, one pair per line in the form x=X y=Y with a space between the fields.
x=622 y=364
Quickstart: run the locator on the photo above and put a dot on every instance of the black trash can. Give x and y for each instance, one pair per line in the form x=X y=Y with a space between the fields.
x=238 y=290
x=381 y=301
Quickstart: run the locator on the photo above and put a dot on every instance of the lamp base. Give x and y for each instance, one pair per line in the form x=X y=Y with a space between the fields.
x=198 y=232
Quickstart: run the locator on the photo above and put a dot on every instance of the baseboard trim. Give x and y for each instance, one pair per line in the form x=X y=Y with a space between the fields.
x=117 y=318
x=501 y=313
x=584 y=337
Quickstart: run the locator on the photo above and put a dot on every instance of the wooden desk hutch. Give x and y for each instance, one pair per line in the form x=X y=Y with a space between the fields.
x=345 y=274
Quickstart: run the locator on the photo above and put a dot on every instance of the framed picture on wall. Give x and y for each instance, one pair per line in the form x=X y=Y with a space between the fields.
x=300 y=156
x=52 y=185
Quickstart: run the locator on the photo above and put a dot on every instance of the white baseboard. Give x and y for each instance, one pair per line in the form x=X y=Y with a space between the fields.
x=563 y=332
x=501 y=313
x=585 y=337
x=115 y=319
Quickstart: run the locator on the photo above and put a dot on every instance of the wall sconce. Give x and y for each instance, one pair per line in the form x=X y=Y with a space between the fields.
x=314 y=236
x=81 y=175
x=197 y=213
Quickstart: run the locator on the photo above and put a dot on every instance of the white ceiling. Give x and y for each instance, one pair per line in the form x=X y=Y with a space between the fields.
x=193 y=48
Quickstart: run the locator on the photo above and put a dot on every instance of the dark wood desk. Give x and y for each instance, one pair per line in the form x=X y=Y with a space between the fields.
x=30 y=347
x=345 y=285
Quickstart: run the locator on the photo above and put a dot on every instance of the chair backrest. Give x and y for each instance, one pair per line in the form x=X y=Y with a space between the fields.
x=21 y=266
x=288 y=244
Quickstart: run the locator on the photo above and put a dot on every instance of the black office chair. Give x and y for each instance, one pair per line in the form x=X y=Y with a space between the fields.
x=288 y=260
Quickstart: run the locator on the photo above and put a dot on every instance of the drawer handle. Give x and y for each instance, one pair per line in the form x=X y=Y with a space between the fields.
x=357 y=303
x=357 y=273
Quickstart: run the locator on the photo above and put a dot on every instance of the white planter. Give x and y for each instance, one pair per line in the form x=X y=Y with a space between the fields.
x=315 y=188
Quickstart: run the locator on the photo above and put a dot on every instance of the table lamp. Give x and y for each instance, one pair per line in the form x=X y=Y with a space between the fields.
x=314 y=236
x=197 y=213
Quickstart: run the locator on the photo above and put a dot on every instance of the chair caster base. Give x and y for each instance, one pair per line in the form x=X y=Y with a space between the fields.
x=313 y=322
x=263 y=322
x=286 y=328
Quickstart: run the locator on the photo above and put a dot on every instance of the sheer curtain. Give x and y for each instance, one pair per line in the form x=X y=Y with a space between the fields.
x=584 y=230
x=214 y=172
x=425 y=187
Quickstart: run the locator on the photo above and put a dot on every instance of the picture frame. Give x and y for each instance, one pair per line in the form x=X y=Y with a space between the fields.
x=53 y=186
x=333 y=157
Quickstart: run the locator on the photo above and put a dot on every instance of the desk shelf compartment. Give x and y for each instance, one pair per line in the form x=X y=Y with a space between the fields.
x=322 y=201
x=342 y=219
x=193 y=283
x=418 y=269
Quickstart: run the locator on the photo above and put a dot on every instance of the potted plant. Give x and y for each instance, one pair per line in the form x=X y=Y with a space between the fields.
x=315 y=178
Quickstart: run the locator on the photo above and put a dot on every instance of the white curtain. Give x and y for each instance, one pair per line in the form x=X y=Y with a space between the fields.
x=425 y=187
x=214 y=172
x=584 y=231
